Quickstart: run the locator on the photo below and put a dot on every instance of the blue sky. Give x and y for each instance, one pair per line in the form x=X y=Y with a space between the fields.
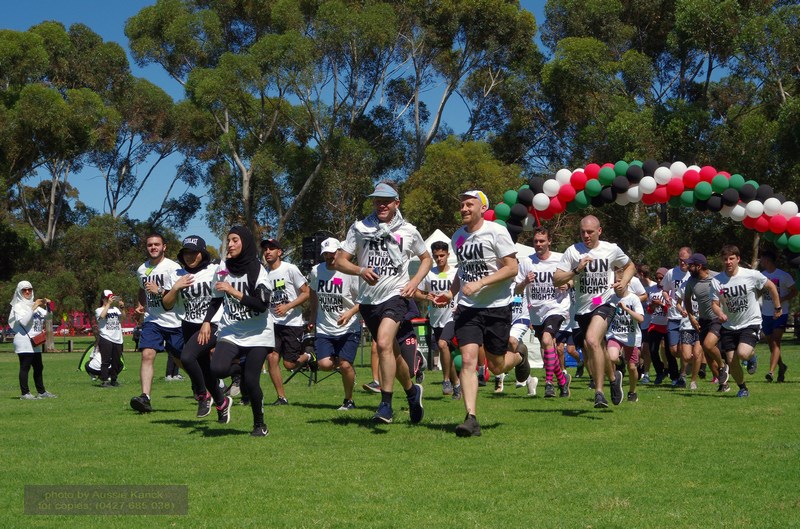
x=107 y=18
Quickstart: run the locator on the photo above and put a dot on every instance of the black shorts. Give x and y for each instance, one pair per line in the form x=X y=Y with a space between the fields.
x=551 y=324
x=289 y=342
x=729 y=339
x=393 y=308
x=565 y=337
x=604 y=311
x=445 y=333
x=489 y=327
x=709 y=326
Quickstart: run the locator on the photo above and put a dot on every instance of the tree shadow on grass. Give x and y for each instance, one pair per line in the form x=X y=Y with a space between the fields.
x=316 y=406
x=731 y=393
x=202 y=428
x=591 y=413
x=361 y=422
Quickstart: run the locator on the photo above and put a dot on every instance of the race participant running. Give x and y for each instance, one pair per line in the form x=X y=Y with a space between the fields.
x=772 y=327
x=625 y=334
x=674 y=279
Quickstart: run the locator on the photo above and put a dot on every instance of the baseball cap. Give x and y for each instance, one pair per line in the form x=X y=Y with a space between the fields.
x=107 y=294
x=698 y=259
x=329 y=245
x=475 y=193
x=663 y=271
x=384 y=190
x=271 y=243
x=194 y=243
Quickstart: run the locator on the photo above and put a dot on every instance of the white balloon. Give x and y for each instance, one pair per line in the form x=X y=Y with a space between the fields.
x=563 y=176
x=623 y=199
x=529 y=222
x=738 y=212
x=662 y=175
x=634 y=193
x=726 y=211
x=754 y=209
x=678 y=168
x=772 y=206
x=789 y=209
x=551 y=187
x=647 y=185
x=694 y=168
x=541 y=201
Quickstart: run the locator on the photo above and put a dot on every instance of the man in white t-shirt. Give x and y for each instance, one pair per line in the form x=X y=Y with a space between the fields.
x=289 y=292
x=590 y=264
x=735 y=302
x=773 y=327
x=383 y=244
x=487 y=266
x=161 y=328
x=675 y=279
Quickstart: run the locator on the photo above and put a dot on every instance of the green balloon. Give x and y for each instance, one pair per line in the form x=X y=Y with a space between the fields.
x=770 y=236
x=502 y=211
x=581 y=199
x=736 y=181
x=573 y=206
x=675 y=201
x=593 y=187
x=510 y=197
x=501 y=222
x=782 y=241
x=752 y=183
x=605 y=177
x=702 y=191
x=688 y=199
x=620 y=168
x=457 y=360
x=526 y=186
x=794 y=243
x=637 y=162
x=719 y=183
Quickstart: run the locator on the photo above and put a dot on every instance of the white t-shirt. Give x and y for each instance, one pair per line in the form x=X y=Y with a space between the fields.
x=673 y=280
x=738 y=297
x=95 y=360
x=656 y=314
x=374 y=254
x=162 y=275
x=194 y=300
x=542 y=297
x=593 y=284
x=240 y=325
x=437 y=282
x=109 y=327
x=285 y=282
x=480 y=254
x=623 y=327
x=336 y=294
x=686 y=323
x=22 y=334
x=784 y=281
x=519 y=316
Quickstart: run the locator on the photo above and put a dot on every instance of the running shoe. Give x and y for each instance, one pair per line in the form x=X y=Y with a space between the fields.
x=260 y=430
x=204 y=405
x=532 y=383
x=28 y=396
x=769 y=377
x=469 y=428
x=522 y=370
x=782 y=372
x=114 y=384
x=481 y=376
x=498 y=383
x=347 y=405
x=141 y=404
x=106 y=384
x=752 y=365
x=224 y=412
x=693 y=385
x=723 y=388
x=384 y=413
x=743 y=393
x=457 y=392
x=591 y=383
x=564 y=390
x=518 y=384
x=372 y=387
x=724 y=373
x=645 y=379
x=702 y=372
x=447 y=387
x=47 y=395
x=177 y=378
x=660 y=378
x=280 y=401
x=420 y=377
x=616 y=388
x=579 y=370
x=549 y=391
x=600 y=400
x=633 y=396
x=715 y=380
x=680 y=383
x=168 y=378
x=415 y=408
x=233 y=390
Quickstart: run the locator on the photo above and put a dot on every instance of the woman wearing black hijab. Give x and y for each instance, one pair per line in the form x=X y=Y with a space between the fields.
x=245 y=328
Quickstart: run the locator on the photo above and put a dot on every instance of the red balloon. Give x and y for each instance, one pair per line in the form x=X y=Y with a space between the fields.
x=707 y=173
x=566 y=193
x=546 y=214
x=725 y=173
x=749 y=222
x=649 y=199
x=660 y=194
x=793 y=226
x=577 y=181
x=761 y=224
x=609 y=165
x=777 y=224
x=592 y=170
x=556 y=205
x=691 y=178
x=489 y=215
x=675 y=187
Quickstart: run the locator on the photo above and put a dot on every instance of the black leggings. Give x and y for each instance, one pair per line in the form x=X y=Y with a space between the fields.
x=110 y=355
x=26 y=360
x=196 y=360
x=222 y=366
x=654 y=339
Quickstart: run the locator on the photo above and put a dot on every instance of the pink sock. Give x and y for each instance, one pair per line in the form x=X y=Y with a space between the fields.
x=550 y=363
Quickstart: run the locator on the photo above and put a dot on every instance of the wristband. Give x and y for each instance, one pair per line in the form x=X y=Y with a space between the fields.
x=360 y=270
x=575 y=271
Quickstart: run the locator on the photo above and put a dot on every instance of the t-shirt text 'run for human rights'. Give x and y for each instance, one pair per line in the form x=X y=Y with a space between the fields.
x=472 y=264
x=378 y=256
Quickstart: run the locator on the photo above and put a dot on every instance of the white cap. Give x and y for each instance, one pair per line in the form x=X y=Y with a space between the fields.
x=329 y=245
x=475 y=193
x=107 y=293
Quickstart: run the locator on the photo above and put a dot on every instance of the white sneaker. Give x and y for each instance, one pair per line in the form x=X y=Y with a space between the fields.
x=498 y=383
x=168 y=378
x=693 y=386
x=532 y=383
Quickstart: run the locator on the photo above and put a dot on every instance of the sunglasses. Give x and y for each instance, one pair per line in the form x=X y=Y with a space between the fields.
x=26 y=290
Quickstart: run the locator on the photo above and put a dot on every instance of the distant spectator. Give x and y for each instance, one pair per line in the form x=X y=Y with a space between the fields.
x=27 y=320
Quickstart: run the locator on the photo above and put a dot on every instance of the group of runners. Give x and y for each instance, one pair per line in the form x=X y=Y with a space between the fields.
x=230 y=319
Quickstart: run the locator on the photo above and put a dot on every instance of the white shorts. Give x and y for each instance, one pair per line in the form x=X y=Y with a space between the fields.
x=519 y=330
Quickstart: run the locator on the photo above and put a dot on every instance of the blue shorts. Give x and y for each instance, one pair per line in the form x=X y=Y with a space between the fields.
x=565 y=337
x=154 y=336
x=769 y=323
x=673 y=333
x=345 y=346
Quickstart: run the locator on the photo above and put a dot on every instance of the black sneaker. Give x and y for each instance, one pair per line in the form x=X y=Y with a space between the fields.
x=591 y=383
x=280 y=401
x=204 y=406
x=600 y=400
x=245 y=401
x=616 y=388
x=702 y=372
x=680 y=383
x=564 y=390
x=141 y=404
x=579 y=370
x=420 y=377
x=384 y=413
x=752 y=365
x=633 y=397
x=260 y=430
x=769 y=377
x=723 y=388
x=114 y=384
x=469 y=428
x=415 y=408
x=549 y=391
x=782 y=372
x=481 y=376
x=224 y=413
x=522 y=370
x=106 y=384
x=347 y=405
x=660 y=378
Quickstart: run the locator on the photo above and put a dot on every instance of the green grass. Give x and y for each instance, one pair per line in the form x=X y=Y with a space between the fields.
x=675 y=459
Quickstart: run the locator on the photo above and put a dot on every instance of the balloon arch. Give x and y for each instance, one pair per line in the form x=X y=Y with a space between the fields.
x=756 y=206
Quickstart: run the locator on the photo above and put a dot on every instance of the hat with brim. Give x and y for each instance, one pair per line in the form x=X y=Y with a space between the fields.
x=697 y=259
x=193 y=243
x=384 y=190
x=271 y=243
x=329 y=245
x=476 y=193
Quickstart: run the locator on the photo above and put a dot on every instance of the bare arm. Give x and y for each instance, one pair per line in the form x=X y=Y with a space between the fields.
x=507 y=271
x=425 y=263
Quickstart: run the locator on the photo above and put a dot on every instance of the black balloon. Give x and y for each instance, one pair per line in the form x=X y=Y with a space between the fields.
x=537 y=184
x=764 y=192
x=525 y=196
x=747 y=192
x=665 y=164
x=714 y=203
x=701 y=205
x=608 y=194
x=518 y=212
x=634 y=175
x=730 y=197
x=514 y=230
x=598 y=201
x=649 y=167
x=621 y=184
x=780 y=196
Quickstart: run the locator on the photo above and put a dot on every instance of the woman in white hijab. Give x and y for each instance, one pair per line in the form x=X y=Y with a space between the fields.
x=27 y=320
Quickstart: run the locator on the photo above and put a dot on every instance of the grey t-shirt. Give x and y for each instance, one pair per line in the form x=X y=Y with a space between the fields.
x=702 y=290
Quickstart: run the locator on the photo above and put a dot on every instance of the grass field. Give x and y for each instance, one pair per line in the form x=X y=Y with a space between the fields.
x=674 y=459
